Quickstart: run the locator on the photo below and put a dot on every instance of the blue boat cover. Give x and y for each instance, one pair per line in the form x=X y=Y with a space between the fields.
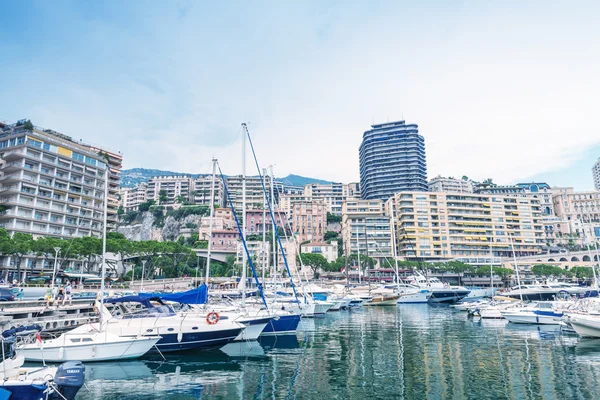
x=198 y=295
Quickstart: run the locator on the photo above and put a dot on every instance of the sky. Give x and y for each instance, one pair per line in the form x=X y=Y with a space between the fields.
x=504 y=90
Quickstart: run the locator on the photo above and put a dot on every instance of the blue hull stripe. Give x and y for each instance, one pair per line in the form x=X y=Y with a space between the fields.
x=286 y=323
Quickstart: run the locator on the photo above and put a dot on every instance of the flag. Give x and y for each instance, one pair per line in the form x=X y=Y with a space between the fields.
x=343 y=270
x=38 y=339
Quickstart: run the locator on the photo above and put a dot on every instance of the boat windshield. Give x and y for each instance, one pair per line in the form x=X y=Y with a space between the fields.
x=153 y=312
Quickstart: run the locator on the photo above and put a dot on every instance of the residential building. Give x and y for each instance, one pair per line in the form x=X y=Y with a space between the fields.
x=366 y=229
x=332 y=194
x=293 y=190
x=254 y=191
x=309 y=221
x=286 y=201
x=175 y=188
x=596 y=174
x=327 y=250
x=351 y=190
x=392 y=159
x=132 y=197
x=201 y=188
x=115 y=162
x=473 y=228
x=441 y=184
x=222 y=221
x=579 y=214
x=51 y=185
x=260 y=252
x=225 y=240
x=254 y=221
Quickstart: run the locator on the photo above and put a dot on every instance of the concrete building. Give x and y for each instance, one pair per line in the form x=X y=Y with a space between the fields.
x=579 y=214
x=392 y=159
x=254 y=191
x=115 y=162
x=309 y=221
x=254 y=221
x=51 y=185
x=441 y=184
x=469 y=227
x=175 y=187
x=327 y=250
x=596 y=174
x=286 y=201
x=366 y=229
x=222 y=221
x=132 y=197
x=201 y=188
x=332 y=194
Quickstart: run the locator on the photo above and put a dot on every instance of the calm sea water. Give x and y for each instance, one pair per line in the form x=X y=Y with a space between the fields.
x=408 y=352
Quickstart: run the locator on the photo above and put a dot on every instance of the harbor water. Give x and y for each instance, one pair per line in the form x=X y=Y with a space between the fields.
x=404 y=352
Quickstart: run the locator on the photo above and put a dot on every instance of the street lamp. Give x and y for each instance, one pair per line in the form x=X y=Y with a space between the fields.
x=143 y=272
x=56 y=250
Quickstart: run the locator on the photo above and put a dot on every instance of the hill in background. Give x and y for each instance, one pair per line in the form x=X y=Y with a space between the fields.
x=134 y=176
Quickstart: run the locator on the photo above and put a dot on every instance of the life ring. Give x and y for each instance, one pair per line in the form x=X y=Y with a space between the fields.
x=212 y=318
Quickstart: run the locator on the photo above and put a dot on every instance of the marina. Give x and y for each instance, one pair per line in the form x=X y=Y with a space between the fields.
x=410 y=351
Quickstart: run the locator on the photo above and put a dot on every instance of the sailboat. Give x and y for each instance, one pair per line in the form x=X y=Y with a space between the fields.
x=87 y=342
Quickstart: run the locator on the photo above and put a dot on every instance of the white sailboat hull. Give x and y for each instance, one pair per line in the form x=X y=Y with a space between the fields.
x=585 y=326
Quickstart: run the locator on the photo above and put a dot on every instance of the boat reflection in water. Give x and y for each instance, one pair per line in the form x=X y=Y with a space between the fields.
x=279 y=342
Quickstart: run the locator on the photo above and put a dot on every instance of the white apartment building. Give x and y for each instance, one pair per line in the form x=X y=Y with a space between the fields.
x=327 y=250
x=441 y=184
x=174 y=186
x=254 y=191
x=596 y=174
x=470 y=227
x=131 y=198
x=366 y=229
x=50 y=185
x=333 y=194
x=201 y=191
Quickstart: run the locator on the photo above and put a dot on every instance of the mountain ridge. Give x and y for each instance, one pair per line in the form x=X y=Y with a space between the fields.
x=134 y=176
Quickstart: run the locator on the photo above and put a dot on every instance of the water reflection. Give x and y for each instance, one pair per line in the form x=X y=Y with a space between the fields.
x=409 y=352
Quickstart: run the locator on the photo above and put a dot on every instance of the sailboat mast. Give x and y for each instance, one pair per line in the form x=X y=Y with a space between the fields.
x=273 y=233
x=394 y=251
x=590 y=253
x=264 y=235
x=358 y=252
x=512 y=246
x=104 y=243
x=211 y=218
x=244 y=256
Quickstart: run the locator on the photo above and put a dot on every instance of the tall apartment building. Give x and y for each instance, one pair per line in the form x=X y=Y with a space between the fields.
x=468 y=227
x=579 y=214
x=441 y=184
x=174 y=186
x=131 y=198
x=51 y=185
x=201 y=191
x=392 y=159
x=332 y=194
x=539 y=190
x=366 y=229
x=596 y=174
x=309 y=221
x=254 y=191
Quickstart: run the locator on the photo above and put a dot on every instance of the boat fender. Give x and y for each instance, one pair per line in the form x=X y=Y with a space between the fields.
x=212 y=318
x=94 y=351
x=61 y=353
x=179 y=336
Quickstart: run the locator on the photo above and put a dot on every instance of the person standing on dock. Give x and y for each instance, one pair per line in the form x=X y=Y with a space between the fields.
x=67 y=295
x=20 y=294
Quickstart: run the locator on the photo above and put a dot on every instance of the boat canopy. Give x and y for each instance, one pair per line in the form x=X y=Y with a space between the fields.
x=198 y=295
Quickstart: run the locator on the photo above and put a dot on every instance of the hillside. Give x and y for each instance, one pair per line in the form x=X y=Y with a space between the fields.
x=134 y=176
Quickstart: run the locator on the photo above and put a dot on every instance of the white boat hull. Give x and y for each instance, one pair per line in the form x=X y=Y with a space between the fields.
x=414 y=298
x=125 y=349
x=252 y=332
x=530 y=318
x=585 y=326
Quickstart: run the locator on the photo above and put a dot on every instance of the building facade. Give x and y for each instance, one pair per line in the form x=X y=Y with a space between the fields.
x=596 y=174
x=366 y=229
x=175 y=188
x=51 y=185
x=392 y=159
x=470 y=227
x=579 y=215
x=254 y=191
x=327 y=250
x=131 y=198
x=201 y=188
x=441 y=184
x=309 y=221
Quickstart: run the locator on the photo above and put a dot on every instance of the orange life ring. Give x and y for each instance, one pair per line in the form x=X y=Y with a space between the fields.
x=212 y=318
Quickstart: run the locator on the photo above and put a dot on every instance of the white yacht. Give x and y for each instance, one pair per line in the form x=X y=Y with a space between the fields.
x=440 y=292
x=540 y=313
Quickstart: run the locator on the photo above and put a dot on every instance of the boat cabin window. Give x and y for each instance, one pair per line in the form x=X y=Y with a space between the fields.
x=87 y=339
x=75 y=340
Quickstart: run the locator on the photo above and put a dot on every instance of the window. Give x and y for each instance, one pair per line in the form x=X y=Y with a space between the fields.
x=78 y=157
x=35 y=143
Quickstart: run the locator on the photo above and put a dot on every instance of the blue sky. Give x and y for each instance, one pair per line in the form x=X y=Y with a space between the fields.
x=507 y=90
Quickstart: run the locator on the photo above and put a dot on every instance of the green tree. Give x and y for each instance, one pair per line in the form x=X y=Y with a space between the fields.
x=162 y=196
x=314 y=261
x=547 y=270
x=17 y=246
x=333 y=218
x=330 y=235
x=120 y=210
x=145 y=206
x=582 y=273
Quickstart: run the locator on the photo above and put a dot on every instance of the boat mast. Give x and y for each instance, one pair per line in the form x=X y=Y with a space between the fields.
x=492 y=265
x=590 y=252
x=244 y=256
x=273 y=233
x=394 y=251
x=211 y=218
x=516 y=268
x=264 y=234
x=358 y=253
x=104 y=242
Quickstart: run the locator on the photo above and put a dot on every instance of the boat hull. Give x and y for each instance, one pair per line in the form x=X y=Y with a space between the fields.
x=23 y=390
x=585 y=327
x=123 y=350
x=282 y=325
x=447 y=296
x=532 y=318
x=254 y=328
x=383 y=302
x=414 y=298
